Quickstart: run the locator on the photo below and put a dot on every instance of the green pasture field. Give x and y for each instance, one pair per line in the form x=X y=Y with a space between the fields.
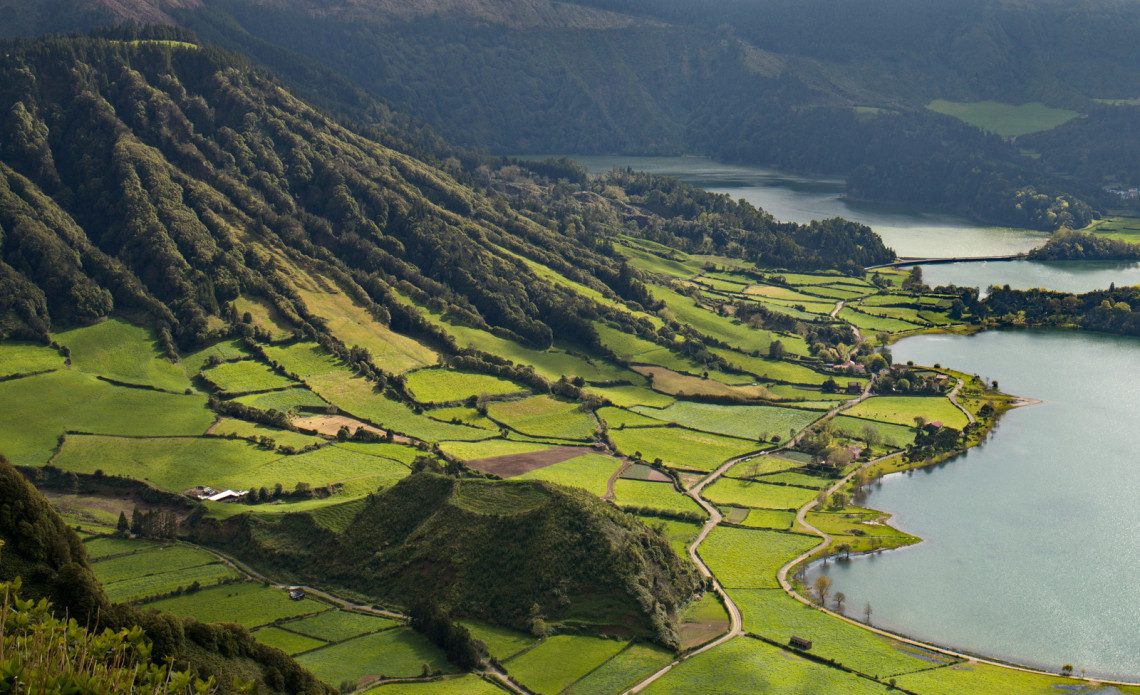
x=1123 y=228
x=901 y=410
x=769 y=518
x=255 y=430
x=303 y=359
x=337 y=626
x=165 y=582
x=285 y=401
x=591 y=472
x=640 y=493
x=170 y=463
x=901 y=313
x=463 y=685
x=404 y=453
x=468 y=416
x=124 y=352
x=1004 y=119
x=337 y=514
x=867 y=323
x=589 y=292
x=985 y=678
x=476 y=496
x=105 y=546
x=751 y=558
x=561 y=660
x=502 y=642
x=812 y=399
x=25 y=358
x=774 y=370
x=743 y=493
x=618 y=417
x=800 y=479
x=783 y=294
x=682 y=448
x=811 y=278
x=355 y=395
x=716 y=283
x=393 y=653
x=468 y=451
x=264 y=314
x=651 y=263
x=35 y=410
x=544 y=416
x=677 y=384
x=329 y=464
x=762 y=465
x=640 y=471
x=347 y=320
x=289 y=642
x=246 y=376
x=746 y=666
x=811 y=309
x=250 y=604
x=936 y=319
x=773 y=614
x=439 y=385
x=631 y=348
x=194 y=362
x=680 y=534
x=888 y=298
x=629 y=667
x=842 y=525
x=744 y=421
x=152 y=561
x=837 y=292
x=894 y=436
x=627 y=396
x=722 y=328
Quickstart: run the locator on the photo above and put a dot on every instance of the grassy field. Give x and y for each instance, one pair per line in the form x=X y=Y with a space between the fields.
x=656 y=495
x=152 y=561
x=24 y=358
x=169 y=463
x=288 y=642
x=680 y=447
x=34 y=411
x=901 y=410
x=626 y=396
x=468 y=451
x=124 y=352
x=773 y=614
x=502 y=642
x=746 y=666
x=246 y=376
x=544 y=416
x=347 y=320
x=138 y=587
x=744 y=421
x=250 y=604
x=440 y=385
x=677 y=384
x=627 y=668
x=680 y=534
x=590 y=471
x=892 y=436
x=769 y=518
x=337 y=626
x=773 y=370
x=465 y=415
x=743 y=493
x=264 y=314
x=728 y=330
x=1123 y=228
x=796 y=478
x=874 y=324
x=284 y=401
x=245 y=429
x=194 y=362
x=463 y=685
x=327 y=465
x=106 y=546
x=392 y=653
x=984 y=678
x=304 y=359
x=747 y=558
x=618 y=417
x=762 y=465
x=561 y=660
x=1004 y=119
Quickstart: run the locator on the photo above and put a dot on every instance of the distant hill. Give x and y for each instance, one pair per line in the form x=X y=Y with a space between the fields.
x=504 y=551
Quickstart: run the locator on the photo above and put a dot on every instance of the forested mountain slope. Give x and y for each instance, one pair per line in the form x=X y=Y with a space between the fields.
x=166 y=179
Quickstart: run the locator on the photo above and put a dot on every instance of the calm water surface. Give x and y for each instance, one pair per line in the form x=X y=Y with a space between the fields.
x=1030 y=550
x=794 y=198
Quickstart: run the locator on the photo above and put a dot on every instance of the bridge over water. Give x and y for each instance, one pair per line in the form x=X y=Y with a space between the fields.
x=957 y=259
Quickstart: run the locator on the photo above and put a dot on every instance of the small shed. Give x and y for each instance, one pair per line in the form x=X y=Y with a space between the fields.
x=799 y=643
x=296 y=594
x=228 y=496
x=854 y=387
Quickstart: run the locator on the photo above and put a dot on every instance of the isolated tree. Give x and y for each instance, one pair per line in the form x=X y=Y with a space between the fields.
x=845 y=549
x=776 y=350
x=840 y=599
x=919 y=422
x=867 y=613
x=822 y=587
x=124 y=526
